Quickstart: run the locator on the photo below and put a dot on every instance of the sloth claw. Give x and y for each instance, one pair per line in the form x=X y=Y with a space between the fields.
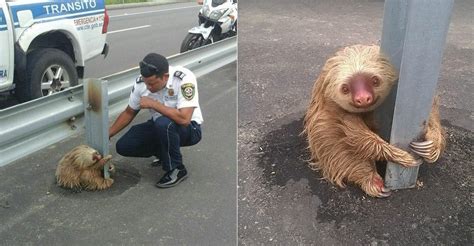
x=385 y=194
x=424 y=149
x=378 y=189
x=424 y=144
x=422 y=154
x=418 y=162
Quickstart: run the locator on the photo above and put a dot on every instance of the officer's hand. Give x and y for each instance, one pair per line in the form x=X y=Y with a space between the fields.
x=147 y=102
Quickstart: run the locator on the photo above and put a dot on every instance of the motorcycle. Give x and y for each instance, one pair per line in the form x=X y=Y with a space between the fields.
x=217 y=20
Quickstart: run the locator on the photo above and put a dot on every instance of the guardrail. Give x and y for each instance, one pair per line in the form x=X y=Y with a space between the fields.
x=31 y=126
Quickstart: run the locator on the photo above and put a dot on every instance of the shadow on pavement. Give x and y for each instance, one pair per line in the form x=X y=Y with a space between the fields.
x=439 y=210
x=125 y=178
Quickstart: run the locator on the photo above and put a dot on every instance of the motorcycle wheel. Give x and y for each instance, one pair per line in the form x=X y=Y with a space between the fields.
x=191 y=41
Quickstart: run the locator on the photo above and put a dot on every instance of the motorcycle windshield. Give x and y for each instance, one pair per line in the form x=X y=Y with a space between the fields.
x=216 y=3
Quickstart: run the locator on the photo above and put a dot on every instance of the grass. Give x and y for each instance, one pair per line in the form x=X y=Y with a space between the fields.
x=124 y=1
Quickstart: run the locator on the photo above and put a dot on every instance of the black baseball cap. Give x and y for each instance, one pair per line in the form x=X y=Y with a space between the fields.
x=153 y=64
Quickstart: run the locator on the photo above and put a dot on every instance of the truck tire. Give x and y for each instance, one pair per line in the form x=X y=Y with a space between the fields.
x=48 y=71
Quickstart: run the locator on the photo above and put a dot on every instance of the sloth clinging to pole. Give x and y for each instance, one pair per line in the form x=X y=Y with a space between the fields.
x=339 y=122
x=81 y=168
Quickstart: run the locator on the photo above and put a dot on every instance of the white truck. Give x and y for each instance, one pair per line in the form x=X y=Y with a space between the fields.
x=44 y=44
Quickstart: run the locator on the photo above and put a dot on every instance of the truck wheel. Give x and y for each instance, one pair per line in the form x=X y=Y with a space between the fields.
x=48 y=71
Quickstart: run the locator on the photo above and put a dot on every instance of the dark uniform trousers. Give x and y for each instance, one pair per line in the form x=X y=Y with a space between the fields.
x=162 y=138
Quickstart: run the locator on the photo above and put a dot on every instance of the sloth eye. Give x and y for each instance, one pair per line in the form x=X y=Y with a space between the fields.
x=375 y=81
x=95 y=156
x=345 y=89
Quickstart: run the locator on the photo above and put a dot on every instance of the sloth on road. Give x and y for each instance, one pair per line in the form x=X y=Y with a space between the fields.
x=82 y=168
x=339 y=122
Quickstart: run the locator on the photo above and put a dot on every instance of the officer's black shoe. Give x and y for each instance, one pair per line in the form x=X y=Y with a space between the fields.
x=172 y=178
x=156 y=163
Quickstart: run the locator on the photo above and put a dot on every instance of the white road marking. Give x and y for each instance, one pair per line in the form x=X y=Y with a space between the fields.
x=154 y=11
x=129 y=29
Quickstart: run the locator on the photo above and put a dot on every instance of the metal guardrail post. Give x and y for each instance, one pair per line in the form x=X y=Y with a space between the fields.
x=96 y=113
x=414 y=34
x=31 y=126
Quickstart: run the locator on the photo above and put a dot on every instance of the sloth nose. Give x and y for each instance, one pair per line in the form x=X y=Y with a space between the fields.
x=363 y=99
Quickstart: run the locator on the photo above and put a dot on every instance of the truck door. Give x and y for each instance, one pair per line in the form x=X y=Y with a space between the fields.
x=6 y=48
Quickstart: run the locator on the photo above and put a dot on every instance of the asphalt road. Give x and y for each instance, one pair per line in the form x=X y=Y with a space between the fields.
x=282 y=47
x=199 y=211
x=135 y=32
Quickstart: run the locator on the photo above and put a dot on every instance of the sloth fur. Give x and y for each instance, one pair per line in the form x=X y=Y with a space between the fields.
x=342 y=138
x=82 y=168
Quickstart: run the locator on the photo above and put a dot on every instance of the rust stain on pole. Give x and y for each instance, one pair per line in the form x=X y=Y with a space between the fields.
x=94 y=94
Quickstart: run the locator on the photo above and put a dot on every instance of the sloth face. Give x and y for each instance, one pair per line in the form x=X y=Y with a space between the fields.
x=84 y=156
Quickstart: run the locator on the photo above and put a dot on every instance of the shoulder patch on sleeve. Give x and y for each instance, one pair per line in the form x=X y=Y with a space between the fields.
x=188 y=91
x=179 y=74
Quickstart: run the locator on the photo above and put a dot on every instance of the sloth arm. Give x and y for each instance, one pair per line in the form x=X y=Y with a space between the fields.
x=369 y=146
x=104 y=160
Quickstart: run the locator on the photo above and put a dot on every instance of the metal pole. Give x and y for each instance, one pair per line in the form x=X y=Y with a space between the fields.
x=393 y=36
x=414 y=34
x=31 y=126
x=96 y=111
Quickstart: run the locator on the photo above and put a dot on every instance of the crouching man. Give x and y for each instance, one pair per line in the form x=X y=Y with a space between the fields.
x=171 y=96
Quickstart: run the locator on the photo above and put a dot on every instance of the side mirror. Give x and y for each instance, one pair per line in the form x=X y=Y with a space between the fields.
x=25 y=18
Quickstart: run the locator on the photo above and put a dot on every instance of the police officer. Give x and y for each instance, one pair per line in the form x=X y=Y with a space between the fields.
x=171 y=96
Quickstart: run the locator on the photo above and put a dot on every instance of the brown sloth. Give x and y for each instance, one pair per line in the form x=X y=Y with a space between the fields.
x=82 y=168
x=339 y=122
